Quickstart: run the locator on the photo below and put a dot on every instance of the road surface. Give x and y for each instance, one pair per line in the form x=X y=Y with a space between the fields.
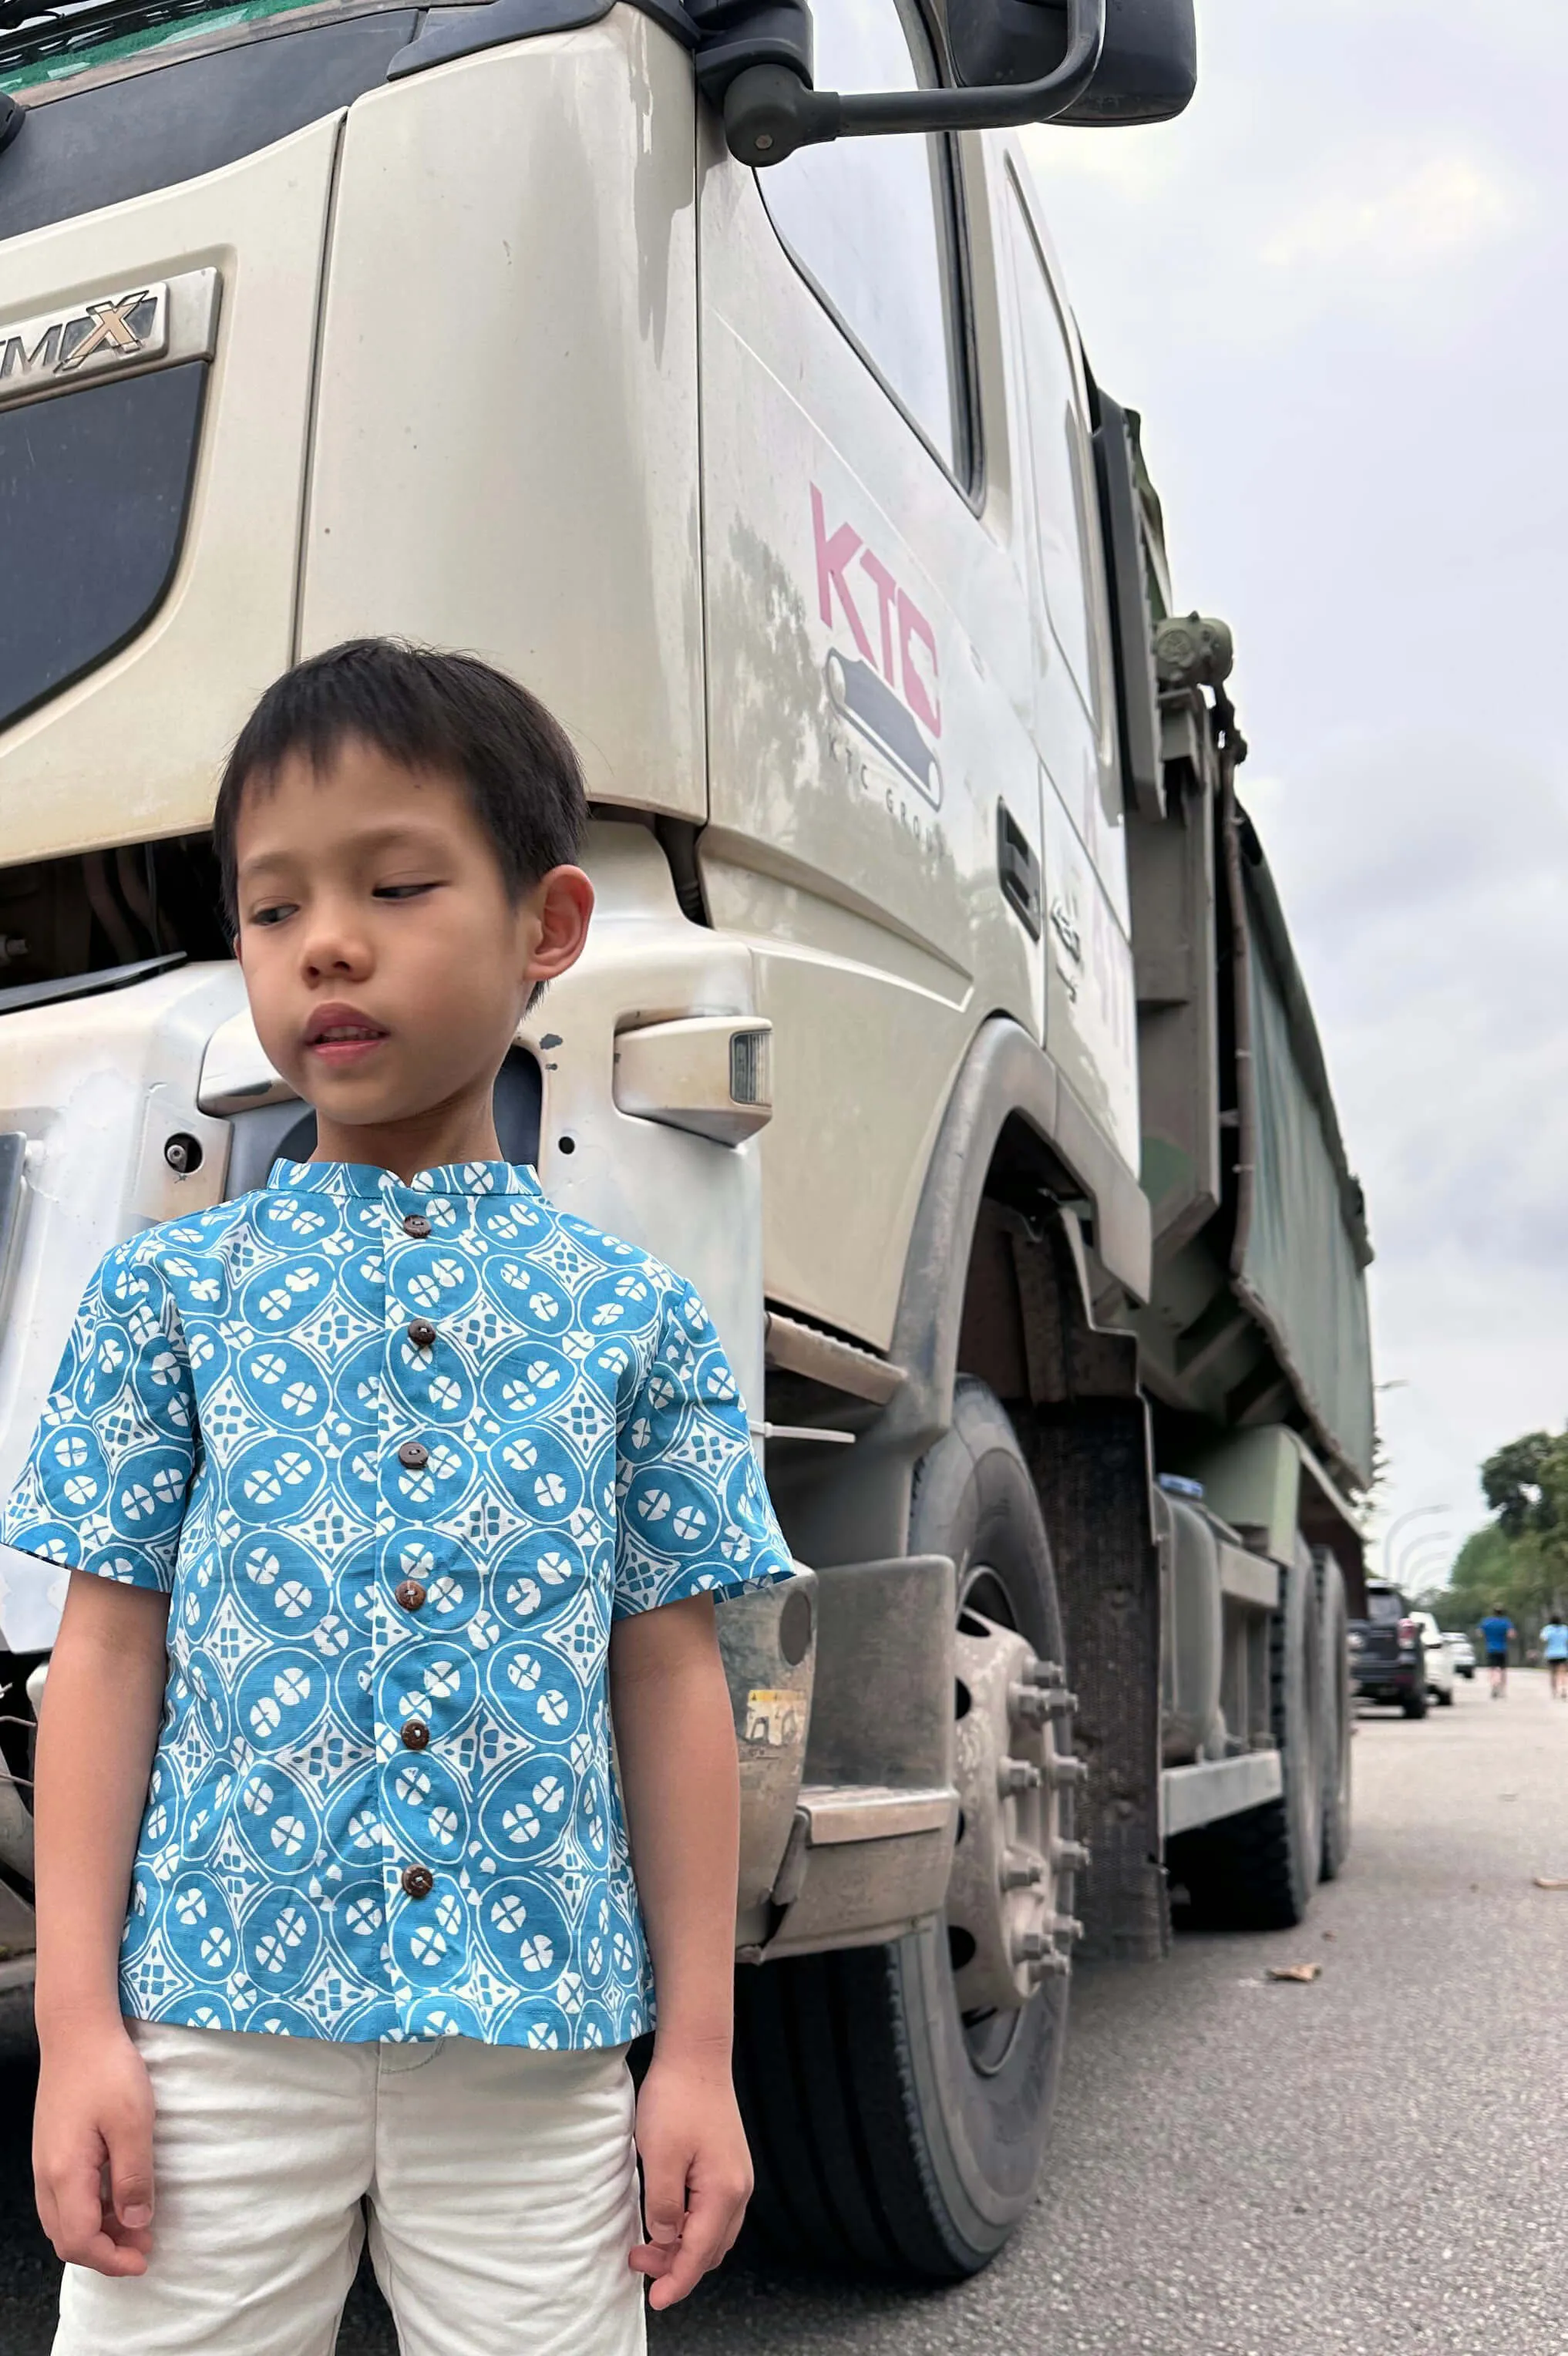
x=1360 y=2167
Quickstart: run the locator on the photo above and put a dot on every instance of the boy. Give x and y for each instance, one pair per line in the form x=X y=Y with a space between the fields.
x=379 y=1453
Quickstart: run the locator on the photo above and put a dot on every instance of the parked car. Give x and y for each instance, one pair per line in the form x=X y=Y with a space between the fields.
x=1463 y=1652
x=1387 y=1655
x=1439 y=1660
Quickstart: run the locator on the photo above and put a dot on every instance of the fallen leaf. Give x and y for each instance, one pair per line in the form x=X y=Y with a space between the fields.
x=1304 y=1972
x=1552 y=1881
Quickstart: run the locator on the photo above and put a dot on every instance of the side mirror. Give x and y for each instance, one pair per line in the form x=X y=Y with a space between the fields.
x=1091 y=61
x=1148 y=57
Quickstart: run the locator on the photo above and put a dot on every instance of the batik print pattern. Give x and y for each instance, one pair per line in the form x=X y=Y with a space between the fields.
x=226 y=1424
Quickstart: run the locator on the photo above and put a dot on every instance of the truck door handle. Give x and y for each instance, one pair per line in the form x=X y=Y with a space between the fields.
x=1019 y=869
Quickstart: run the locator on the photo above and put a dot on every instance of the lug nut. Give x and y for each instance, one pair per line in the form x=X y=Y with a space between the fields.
x=1015 y=1775
x=1021 y=1869
x=1033 y=1949
x=1064 y=1772
x=1044 y=1673
x=1028 y=1705
x=1069 y=1857
x=1035 y=1704
x=1065 y=1926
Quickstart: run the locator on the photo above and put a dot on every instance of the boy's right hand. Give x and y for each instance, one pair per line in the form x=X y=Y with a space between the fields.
x=92 y=2150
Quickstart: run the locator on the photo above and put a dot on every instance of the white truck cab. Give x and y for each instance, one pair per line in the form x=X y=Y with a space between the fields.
x=708 y=366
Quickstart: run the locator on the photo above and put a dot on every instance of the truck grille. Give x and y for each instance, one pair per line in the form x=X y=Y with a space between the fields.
x=94 y=486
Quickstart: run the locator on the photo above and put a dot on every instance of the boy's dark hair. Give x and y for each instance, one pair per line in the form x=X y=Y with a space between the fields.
x=427 y=711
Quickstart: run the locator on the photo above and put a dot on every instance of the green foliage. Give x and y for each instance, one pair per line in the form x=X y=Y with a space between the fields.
x=1524 y=1569
x=1519 y=1561
x=1526 y=1485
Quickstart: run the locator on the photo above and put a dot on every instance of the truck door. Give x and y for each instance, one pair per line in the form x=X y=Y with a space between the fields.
x=862 y=729
x=1088 y=1008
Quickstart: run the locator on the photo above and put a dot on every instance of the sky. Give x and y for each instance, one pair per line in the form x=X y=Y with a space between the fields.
x=1335 y=289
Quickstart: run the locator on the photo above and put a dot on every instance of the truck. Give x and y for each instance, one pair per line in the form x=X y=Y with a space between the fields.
x=709 y=367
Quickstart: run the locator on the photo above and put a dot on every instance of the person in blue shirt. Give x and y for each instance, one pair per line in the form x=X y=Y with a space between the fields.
x=1555 y=1651
x=382 y=1490
x=1495 y=1630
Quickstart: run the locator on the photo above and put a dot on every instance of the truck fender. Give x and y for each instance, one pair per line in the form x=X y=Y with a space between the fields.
x=1008 y=1294
x=1008 y=1103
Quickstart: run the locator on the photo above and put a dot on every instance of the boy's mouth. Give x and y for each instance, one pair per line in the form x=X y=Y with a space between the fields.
x=339 y=1035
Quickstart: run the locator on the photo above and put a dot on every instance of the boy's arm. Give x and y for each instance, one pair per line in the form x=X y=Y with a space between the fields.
x=97 y=1733
x=674 y=1738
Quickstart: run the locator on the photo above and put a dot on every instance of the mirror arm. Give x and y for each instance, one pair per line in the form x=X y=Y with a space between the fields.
x=770 y=110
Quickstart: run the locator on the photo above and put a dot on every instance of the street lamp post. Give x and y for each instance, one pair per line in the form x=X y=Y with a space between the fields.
x=1415 y=1514
x=1417 y=1547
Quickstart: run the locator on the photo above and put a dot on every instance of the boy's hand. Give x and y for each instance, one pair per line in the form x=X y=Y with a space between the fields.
x=92 y=2150
x=697 y=2174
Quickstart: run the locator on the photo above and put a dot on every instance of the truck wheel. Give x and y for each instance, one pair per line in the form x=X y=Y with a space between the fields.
x=897 y=2128
x=1338 y=1715
x=1257 y=1871
x=1414 y=1704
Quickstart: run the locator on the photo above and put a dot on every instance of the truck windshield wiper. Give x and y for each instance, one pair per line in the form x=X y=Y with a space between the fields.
x=85 y=985
x=29 y=32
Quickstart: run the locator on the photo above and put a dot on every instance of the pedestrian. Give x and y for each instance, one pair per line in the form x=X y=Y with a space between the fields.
x=1555 y=1646
x=1495 y=1630
x=421 y=1481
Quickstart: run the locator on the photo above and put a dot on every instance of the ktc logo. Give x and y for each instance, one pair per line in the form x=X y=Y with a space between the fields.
x=908 y=651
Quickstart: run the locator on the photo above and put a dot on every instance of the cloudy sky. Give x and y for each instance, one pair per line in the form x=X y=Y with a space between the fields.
x=1335 y=290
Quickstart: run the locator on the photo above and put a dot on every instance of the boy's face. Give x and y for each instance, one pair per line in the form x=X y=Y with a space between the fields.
x=385 y=965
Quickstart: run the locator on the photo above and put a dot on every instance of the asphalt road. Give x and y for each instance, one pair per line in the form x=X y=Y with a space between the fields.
x=1370 y=2164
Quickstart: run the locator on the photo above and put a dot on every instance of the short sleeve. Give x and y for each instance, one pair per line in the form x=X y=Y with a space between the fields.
x=693 y=1512
x=104 y=1487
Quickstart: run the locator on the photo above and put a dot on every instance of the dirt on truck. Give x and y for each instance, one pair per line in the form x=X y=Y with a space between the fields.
x=709 y=367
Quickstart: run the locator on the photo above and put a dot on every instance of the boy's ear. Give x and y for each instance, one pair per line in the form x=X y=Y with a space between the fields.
x=560 y=905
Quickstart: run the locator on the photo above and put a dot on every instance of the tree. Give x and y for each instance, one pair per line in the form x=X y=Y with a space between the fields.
x=1520 y=1560
x=1493 y=1568
x=1522 y=1482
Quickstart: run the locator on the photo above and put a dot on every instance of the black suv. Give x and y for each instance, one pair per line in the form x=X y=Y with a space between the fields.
x=1388 y=1660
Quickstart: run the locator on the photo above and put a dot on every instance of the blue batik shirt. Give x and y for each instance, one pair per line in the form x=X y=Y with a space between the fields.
x=399 y=1454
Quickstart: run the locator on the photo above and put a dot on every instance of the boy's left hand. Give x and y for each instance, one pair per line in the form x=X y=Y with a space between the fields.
x=697 y=2174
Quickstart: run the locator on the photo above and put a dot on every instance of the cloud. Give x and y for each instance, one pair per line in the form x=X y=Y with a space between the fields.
x=1446 y=208
x=1333 y=288
x=1426 y=885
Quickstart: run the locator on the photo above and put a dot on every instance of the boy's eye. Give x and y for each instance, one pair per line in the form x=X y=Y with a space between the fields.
x=273 y=915
x=400 y=891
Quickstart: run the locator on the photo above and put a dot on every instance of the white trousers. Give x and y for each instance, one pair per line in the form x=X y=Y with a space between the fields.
x=501 y=2187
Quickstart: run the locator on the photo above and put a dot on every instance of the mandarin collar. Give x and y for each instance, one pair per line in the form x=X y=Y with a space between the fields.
x=344 y=1178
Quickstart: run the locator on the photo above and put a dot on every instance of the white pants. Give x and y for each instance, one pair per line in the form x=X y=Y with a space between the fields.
x=501 y=2186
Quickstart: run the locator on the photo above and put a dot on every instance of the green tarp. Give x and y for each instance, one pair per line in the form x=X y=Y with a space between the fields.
x=1301 y=1248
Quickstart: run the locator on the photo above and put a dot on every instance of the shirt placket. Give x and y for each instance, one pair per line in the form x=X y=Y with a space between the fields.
x=415 y=1231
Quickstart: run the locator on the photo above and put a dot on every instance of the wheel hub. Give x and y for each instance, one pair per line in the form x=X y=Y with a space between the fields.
x=1013 y=1865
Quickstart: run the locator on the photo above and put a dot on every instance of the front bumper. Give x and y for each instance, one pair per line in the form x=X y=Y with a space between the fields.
x=1387 y=1680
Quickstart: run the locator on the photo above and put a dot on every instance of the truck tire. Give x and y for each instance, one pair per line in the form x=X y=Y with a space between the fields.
x=1414 y=1704
x=1257 y=1870
x=1338 y=1714
x=889 y=2136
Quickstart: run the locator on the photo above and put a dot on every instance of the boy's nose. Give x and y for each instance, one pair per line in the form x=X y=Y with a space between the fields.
x=332 y=948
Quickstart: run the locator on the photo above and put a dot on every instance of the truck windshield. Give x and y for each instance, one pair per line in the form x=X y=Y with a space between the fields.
x=50 y=45
x=1384 y=1604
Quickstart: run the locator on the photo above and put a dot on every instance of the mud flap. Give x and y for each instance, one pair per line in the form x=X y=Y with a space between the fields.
x=1090 y=1463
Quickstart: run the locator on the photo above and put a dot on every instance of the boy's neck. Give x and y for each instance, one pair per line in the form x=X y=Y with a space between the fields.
x=456 y=1132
